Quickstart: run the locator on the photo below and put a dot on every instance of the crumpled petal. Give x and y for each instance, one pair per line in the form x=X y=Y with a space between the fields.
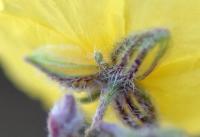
x=174 y=84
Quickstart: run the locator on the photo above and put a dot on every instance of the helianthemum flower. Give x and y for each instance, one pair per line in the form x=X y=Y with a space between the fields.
x=114 y=82
x=83 y=27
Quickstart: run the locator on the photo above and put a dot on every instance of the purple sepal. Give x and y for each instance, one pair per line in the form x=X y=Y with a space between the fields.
x=64 y=119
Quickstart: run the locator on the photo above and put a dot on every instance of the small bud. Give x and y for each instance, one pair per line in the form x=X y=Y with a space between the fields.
x=64 y=119
x=60 y=61
x=98 y=57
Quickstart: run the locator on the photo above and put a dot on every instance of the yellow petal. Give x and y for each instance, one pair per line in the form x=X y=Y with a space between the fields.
x=1 y=5
x=175 y=90
x=29 y=80
x=25 y=25
x=96 y=25
x=91 y=24
x=22 y=34
x=17 y=39
x=174 y=84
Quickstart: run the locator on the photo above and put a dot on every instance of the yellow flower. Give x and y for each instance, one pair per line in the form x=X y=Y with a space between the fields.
x=85 y=26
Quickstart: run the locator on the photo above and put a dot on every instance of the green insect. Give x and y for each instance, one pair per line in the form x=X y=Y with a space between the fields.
x=116 y=82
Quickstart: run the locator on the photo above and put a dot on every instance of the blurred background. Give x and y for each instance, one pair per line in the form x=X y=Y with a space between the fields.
x=20 y=116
